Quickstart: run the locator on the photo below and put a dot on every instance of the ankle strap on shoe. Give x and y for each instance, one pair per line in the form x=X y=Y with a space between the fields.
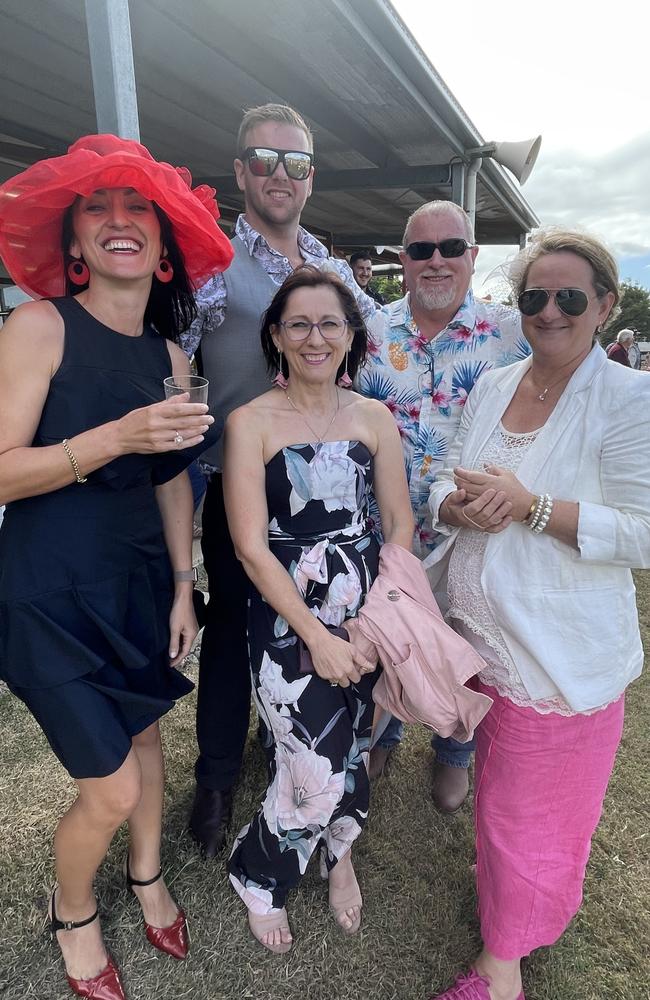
x=134 y=881
x=69 y=925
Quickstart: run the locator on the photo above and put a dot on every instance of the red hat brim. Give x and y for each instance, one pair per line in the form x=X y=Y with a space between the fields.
x=33 y=202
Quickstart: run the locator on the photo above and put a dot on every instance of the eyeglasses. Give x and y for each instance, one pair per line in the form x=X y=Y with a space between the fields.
x=299 y=329
x=423 y=249
x=570 y=301
x=263 y=162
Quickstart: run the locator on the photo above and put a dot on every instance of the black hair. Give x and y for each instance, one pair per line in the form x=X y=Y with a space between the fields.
x=171 y=307
x=360 y=255
x=309 y=276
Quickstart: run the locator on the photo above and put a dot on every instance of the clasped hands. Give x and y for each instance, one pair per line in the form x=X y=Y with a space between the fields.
x=338 y=661
x=486 y=501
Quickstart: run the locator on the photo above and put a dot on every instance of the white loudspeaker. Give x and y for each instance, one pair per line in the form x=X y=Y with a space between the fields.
x=518 y=157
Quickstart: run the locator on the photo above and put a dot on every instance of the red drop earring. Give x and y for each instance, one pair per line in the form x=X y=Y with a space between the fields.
x=164 y=271
x=78 y=272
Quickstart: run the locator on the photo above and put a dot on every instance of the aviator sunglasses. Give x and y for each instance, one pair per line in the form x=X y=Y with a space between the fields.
x=423 y=249
x=263 y=161
x=570 y=301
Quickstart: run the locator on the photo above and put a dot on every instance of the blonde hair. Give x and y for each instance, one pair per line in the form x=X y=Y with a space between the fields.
x=558 y=240
x=280 y=113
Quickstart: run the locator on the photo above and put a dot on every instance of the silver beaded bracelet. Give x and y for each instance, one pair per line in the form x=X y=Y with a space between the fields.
x=536 y=512
x=546 y=509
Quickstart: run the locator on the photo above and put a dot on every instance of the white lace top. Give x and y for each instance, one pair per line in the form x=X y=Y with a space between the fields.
x=467 y=603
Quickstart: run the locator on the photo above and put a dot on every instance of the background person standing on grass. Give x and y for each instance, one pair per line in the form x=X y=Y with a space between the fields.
x=274 y=169
x=96 y=544
x=545 y=505
x=428 y=350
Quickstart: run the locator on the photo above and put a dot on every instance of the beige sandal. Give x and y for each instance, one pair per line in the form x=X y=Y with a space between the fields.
x=346 y=898
x=263 y=924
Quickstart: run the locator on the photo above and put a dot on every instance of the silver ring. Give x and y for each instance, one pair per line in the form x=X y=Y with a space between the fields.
x=178 y=438
x=334 y=684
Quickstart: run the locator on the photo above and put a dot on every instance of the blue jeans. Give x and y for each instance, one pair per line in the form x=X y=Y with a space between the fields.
x=448 y=751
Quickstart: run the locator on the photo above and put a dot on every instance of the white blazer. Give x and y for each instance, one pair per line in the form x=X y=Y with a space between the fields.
x=568 y=617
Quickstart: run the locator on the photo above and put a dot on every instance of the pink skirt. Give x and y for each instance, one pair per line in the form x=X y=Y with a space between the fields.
x=539 y=790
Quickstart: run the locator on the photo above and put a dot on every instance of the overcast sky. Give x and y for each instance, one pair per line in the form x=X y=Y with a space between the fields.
x=579 y=74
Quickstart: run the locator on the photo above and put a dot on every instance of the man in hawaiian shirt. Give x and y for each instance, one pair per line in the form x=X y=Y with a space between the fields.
x=428 y=350
x=274 y=169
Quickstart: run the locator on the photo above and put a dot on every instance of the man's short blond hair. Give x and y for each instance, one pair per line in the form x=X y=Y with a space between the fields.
x=280 y=113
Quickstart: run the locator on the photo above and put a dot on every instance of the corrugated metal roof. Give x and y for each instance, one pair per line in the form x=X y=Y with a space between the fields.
x=349 y=66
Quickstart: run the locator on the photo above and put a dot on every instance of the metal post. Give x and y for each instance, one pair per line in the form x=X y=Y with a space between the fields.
x=111 y=61
x=458 y=182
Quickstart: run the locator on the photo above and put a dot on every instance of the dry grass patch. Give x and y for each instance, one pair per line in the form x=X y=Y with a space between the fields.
x=414 y=867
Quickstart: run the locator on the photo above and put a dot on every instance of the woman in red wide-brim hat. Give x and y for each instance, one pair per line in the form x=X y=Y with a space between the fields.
x=95 y=548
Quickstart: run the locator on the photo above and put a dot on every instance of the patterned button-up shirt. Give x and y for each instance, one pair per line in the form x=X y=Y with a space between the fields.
x=425 y=384
x=211 y=299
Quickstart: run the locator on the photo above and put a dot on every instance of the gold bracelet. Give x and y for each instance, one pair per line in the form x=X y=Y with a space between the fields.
x=529 y=516
x=73 y=461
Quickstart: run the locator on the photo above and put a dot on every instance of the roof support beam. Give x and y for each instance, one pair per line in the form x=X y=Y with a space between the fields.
x=355 y=180
x=111 y=61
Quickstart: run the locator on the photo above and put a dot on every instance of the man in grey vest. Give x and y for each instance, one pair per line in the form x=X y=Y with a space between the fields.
x=274 y=169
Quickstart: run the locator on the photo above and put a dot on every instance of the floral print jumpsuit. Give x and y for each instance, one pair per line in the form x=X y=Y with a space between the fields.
x=319 y=734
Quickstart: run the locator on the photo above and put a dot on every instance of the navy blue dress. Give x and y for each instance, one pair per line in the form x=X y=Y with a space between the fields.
x=86 y=584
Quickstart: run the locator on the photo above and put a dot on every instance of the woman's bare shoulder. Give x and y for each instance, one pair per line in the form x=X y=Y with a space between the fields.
x=255 y=414
x=36 y=328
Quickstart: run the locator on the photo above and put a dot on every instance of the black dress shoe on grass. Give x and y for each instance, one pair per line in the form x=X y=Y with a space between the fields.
x=450 y=787
x=210 y=817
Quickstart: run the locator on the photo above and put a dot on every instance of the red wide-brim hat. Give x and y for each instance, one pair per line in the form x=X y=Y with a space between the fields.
x=32 y=205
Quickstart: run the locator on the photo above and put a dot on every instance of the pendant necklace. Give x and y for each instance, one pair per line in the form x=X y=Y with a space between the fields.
x=319 y=437
x=542 y=395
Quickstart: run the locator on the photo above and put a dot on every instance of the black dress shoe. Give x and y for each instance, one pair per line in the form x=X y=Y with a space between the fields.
x=211 y=815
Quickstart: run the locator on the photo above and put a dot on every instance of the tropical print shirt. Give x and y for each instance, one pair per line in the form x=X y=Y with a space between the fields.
x=425 y=384
x=212 y=298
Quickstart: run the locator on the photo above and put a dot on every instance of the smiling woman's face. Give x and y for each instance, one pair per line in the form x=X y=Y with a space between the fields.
x=314 y=359
x=554 y=337
x=117 y=233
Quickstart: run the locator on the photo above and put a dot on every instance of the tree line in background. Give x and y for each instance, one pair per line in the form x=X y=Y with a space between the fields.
x=634 y=313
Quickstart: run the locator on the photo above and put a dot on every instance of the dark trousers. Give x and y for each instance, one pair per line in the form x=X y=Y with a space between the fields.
x=224 y=677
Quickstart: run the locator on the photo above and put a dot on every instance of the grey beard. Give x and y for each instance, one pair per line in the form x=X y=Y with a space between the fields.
x=434 y=298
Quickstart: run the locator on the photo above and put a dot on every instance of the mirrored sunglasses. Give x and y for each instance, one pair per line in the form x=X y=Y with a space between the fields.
x=570 y=301
x=263 y=161
x=423 y=249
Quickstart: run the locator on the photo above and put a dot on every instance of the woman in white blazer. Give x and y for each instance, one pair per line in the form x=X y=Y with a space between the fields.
x=546 y=506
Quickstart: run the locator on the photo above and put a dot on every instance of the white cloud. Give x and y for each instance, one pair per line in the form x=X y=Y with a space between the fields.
x=578 y=74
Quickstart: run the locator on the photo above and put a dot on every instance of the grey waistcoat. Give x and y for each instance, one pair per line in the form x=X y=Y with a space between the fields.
x=231 y=354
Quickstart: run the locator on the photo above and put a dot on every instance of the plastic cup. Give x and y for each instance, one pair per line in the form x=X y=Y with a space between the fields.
x=196 y=385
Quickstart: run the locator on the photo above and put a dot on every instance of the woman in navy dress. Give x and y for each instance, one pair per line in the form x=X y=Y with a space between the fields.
x=95 y=549
x=300 y=462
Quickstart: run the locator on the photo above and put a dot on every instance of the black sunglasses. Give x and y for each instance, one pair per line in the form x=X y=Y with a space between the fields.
x=263 y=161
x=423 y=249
x=570 y=301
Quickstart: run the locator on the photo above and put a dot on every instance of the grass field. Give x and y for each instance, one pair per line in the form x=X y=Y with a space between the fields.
x=414 y=867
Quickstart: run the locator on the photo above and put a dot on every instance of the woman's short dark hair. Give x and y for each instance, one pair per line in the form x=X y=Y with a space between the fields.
x=171 y=307
x=309 y=276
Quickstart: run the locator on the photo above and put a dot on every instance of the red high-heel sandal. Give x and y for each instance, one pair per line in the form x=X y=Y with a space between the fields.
x=173 y=940
x=104 y=986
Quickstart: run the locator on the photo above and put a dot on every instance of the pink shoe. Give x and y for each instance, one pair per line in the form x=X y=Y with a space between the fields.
x=469 y=987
